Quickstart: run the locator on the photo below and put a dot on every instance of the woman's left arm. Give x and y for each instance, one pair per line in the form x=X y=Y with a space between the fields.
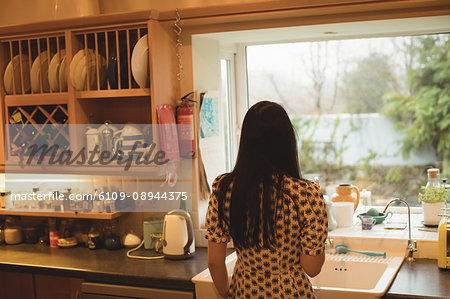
x=217 y=267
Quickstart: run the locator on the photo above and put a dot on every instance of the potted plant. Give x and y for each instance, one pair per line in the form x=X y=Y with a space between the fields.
x=433 y=200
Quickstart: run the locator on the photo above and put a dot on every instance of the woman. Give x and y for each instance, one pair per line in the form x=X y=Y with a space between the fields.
x=276 y=219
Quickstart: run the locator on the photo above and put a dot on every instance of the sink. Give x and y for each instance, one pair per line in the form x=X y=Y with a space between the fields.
x=355 y=276
x=342 y=276
x=204 y=286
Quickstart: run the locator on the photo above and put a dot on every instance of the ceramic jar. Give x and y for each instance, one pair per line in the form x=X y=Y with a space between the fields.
x=346 y=193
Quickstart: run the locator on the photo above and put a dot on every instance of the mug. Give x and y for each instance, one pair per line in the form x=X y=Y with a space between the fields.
x=151 y=227
x=157 y=239
x=367 y=222
x=343 y=213
x=94 y=241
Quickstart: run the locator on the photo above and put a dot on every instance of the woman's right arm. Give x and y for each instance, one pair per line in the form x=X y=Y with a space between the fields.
x=217 y=268
x=312 y=264
x=218 y=235
x=314 y=231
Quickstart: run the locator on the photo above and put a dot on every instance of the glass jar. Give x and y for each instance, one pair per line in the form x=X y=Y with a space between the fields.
x=433 y=178
x=13 y=232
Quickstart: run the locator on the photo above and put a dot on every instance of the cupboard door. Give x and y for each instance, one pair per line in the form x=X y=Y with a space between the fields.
x=57 y=287
x=16 y=285
x=93 y=290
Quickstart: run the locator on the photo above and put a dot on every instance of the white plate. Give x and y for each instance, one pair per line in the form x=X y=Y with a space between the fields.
x=73 y=65
x=16 y=74
x=78 y=74
x=40 y=64
x=139 y=62
x=62 y=74
x=54 y=68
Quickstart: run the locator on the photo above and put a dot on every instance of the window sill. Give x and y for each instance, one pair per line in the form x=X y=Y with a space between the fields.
x=390 y=240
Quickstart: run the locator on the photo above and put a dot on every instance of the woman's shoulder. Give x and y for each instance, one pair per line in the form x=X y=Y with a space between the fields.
x=299 y=183
x=219 y=179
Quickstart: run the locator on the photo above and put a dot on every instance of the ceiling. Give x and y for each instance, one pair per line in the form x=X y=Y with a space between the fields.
x=410 y=26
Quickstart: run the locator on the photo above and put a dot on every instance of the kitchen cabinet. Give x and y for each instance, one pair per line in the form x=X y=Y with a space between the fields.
x=106 y=40
x=103 y=291
x=56 y=287
x=18 y=285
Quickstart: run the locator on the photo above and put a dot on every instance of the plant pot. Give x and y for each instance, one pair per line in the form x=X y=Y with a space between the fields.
x=431 y=212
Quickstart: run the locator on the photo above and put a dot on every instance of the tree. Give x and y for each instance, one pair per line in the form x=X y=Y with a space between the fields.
x=318 y=55
x=364 y=87
x=424 y=114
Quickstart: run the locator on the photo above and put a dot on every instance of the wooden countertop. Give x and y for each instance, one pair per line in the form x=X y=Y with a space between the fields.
x=420 y=279
x=104 y=266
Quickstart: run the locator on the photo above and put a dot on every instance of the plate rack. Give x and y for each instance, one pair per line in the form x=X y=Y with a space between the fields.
x=110 y=53
x=28 y=59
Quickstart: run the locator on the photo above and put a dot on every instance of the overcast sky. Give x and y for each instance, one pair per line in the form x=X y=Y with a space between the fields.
x=291 y=65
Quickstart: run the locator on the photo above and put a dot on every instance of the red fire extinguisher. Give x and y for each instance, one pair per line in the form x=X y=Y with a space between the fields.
x=185 y=120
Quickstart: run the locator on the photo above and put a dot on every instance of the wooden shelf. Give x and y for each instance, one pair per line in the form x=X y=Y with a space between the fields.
x=113 y=93
x=35 y=99
x=80 y=215
x=84 y=170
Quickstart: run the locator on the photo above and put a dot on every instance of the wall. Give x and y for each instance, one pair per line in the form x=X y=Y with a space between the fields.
x=111 y=6
x=206 y=77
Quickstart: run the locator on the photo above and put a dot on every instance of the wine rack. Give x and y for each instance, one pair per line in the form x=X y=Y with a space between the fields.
x=40 y=125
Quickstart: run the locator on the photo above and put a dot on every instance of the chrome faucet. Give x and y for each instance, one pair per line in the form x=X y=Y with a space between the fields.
x=412 y=245
x=329 y=244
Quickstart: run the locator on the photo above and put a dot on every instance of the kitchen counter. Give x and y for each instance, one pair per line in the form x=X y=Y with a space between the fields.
x=104 y=266
x=420 y=279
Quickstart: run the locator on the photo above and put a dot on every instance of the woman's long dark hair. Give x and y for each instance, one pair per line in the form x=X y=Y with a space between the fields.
x=267 y=150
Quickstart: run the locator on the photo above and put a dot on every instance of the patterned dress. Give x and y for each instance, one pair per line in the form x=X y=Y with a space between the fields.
x=301 y=227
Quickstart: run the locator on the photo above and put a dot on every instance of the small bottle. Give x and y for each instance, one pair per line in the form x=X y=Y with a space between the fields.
x=94 y=241
x=366 y=197
x=53 y=233
x=433 y=178
x=447 y=188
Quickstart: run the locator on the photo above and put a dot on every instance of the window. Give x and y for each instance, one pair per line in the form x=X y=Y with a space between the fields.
x=226 y=96
x=369 y=99
x=373 y=112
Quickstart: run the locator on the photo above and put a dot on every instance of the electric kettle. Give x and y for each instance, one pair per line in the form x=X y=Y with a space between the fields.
x=178 y=235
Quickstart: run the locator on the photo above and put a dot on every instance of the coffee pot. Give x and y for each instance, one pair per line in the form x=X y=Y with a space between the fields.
x=107 y=136
x=104 y=137
x=346 y=193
